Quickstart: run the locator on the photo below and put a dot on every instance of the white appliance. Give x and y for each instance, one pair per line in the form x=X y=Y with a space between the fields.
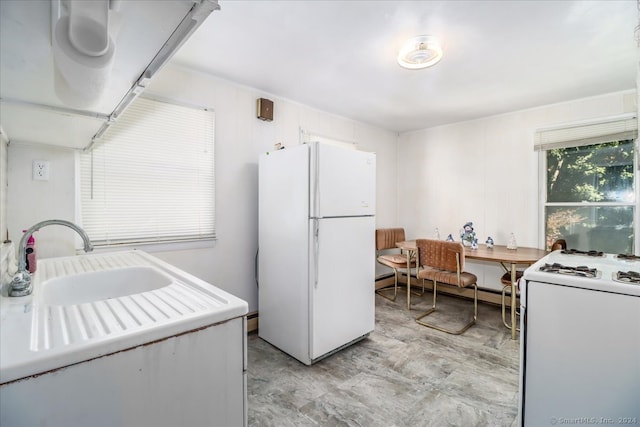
x=316 y=248
x=580 y=341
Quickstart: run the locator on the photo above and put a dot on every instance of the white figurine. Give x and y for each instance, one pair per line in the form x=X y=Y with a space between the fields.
x=489 y=242
x=467 y=234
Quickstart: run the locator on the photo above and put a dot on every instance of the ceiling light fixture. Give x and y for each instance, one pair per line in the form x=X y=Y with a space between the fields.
x=420 y=52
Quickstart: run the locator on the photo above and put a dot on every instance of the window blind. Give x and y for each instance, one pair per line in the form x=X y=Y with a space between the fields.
x=151 y=179
x=615 y=129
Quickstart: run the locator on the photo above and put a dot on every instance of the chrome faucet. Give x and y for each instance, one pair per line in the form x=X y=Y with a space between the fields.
x=21 y=284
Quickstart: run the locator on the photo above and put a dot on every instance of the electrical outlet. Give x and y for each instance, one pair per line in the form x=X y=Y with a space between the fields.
x=41 y=170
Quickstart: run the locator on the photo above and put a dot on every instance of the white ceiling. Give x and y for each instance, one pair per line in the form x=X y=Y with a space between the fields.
x=499 y=56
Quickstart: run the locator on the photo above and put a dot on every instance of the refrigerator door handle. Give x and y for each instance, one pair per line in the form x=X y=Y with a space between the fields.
x=316 y=250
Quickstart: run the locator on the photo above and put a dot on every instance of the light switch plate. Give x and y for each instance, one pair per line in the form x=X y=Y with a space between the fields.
x=41 y=170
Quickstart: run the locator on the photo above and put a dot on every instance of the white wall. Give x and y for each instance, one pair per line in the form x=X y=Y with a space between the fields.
x=240 y=138
x=30 y=201
x=485 y=171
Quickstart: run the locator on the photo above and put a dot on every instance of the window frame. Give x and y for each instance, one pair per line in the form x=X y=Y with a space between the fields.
x=542 y=193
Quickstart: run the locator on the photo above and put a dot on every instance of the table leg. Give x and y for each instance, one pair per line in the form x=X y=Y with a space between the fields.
x=513 y=301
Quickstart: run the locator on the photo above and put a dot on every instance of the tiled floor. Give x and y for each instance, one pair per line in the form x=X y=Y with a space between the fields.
x=404 y=374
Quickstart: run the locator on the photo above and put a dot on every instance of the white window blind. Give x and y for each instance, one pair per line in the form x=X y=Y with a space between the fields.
x=151 y=179
x=615 y=129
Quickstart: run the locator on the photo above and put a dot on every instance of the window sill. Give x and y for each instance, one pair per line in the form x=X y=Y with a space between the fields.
x=152 y=247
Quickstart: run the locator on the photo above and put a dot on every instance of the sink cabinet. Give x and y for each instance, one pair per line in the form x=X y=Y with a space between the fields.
x=193 y=379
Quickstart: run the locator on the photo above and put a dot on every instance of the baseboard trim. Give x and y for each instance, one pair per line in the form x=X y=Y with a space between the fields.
x=489 y=296
x=252 y=322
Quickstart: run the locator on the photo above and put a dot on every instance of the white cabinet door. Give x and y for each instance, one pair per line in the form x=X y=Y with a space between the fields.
x=342 y=282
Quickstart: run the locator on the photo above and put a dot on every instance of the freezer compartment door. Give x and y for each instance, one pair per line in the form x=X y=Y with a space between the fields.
x=343 y=181
x=342 y=282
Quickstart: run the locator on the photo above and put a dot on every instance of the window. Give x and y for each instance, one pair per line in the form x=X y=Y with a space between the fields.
x=589 y=188
x=151 y=179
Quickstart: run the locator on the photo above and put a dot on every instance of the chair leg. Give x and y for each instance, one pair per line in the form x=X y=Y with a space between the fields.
x=504 y=308
x=383 y=291
x=475 y=302
x=416 y=293
x=433 y=309
x=410 y=291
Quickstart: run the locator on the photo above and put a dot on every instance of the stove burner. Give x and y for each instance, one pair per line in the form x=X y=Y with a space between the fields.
x=627 y=277
x=580 y=271
x=577 y=252
x=629 y=257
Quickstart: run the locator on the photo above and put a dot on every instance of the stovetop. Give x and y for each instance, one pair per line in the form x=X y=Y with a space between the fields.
x=588 y=269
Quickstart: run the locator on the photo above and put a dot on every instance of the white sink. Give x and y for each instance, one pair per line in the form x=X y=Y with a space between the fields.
x=102 y=285
x=88 y=306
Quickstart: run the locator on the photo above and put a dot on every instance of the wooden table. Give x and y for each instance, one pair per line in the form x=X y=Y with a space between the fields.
x=508 y=258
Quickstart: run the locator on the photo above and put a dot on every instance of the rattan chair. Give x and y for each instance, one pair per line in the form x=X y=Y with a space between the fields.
x=388 y=254
x=559 y=244
x=442 y=262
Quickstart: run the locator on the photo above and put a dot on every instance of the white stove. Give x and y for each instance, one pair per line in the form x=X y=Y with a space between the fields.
x=580 y=340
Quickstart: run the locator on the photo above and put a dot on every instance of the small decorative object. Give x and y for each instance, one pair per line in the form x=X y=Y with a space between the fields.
x=489 y=242
x=512 y=242
x=278 y=146
x=467 y=234
x=449 y=238
x=437 y=234
x=474 y=244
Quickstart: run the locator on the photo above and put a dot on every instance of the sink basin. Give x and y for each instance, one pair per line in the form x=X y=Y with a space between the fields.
x=102 y=285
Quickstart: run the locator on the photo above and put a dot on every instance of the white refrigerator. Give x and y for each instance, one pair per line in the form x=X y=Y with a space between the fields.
x=316 y=268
